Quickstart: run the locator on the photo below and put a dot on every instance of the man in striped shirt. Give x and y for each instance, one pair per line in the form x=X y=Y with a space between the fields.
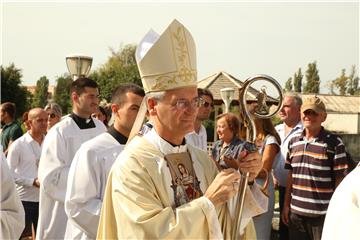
x=315 y=169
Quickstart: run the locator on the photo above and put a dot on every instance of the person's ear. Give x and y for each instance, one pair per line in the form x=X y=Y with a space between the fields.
x=323 y=117
x=115 y=107
x=74 y=97
x=151 y=105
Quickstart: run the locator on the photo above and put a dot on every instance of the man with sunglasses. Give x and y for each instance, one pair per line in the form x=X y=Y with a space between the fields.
x=60 y=145
x=315 y=171
x=146 y=196
x=198 y=137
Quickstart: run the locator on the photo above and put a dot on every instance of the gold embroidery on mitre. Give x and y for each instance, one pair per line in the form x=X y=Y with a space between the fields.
x=184 y=74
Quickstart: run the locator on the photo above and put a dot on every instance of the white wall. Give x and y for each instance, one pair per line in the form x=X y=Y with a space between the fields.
x=346 y=123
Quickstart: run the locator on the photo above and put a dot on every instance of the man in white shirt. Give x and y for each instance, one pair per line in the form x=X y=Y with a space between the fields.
x=60 y=145
x=12 y=220
x=290 y=115
x=93 y=161
x=23 y=160
x=198 y=137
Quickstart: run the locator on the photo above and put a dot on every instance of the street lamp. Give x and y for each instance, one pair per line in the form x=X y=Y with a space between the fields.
x=227 y=95
x=78 y=66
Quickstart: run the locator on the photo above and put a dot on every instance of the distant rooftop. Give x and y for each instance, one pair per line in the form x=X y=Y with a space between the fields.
x=338 y=104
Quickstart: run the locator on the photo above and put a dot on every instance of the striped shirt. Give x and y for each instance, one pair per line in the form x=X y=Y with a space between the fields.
x=313 y=173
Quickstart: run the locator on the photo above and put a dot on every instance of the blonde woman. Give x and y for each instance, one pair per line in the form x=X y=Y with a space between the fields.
x=54 y=114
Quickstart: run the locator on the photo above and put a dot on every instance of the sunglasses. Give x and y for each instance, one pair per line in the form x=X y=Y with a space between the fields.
x=52 y=115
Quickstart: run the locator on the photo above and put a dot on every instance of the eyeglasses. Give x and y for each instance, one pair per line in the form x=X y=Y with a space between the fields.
x=52 y=115
x=206 y=104
x=182 y=103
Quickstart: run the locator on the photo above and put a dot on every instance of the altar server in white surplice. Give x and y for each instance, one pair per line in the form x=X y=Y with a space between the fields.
x=59 y=148
x=160 y=187
x=342 y=219
x=12 y=220
x=92 y=162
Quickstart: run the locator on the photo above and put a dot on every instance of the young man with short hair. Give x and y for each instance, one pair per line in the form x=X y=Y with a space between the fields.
x=93 y=161
x=10 y=129
x=198 y=137
x=60 y=145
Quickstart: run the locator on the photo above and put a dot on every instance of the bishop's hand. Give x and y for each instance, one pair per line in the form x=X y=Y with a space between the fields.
x=224 y=186
x=246 y=161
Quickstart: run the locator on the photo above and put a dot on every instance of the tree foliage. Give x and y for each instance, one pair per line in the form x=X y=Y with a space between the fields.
x=12 y=90
x=346 y=84
x=288 y=85
x=312 y=79
x=120 y=68
x=41 y=92
x=62 y=93
x=298 y=81
x=353 y=82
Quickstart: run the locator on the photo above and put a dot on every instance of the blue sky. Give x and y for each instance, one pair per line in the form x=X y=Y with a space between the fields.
x=241 y=38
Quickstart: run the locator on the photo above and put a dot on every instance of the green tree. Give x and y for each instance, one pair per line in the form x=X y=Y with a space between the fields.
x=288 y=85
x=312 y=79
x=120 y=68
x=353 y=82
x=12 y=90
x=298 y=81
x=41 y=92
x=62 y=93
x=340 y=83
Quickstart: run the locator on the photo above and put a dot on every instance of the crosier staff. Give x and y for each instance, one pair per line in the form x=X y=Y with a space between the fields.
x=247 y=114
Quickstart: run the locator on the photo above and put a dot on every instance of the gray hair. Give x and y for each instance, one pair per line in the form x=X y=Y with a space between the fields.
x=295 y=96
x=154 y=95
x=54 y=107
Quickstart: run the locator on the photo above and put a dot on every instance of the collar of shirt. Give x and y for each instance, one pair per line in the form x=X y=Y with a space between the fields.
x=29 y=139
x=8 y=124
x=281 y=130
x=82 y=123
x=164 y=146
x=322 y=135
x=117 y=135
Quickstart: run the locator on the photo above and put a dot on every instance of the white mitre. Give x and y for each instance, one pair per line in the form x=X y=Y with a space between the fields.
x=167 y=61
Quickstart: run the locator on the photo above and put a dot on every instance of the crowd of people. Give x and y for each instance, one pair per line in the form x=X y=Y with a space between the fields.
x=78 y=177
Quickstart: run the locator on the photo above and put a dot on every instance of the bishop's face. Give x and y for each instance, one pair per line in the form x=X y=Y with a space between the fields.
x=176 y=113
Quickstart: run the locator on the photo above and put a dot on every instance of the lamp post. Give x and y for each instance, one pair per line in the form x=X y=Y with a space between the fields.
x=78 y=66
x=227 y=95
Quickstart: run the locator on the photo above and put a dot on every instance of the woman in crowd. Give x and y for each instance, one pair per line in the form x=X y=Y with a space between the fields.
x=54 y=114
x=268 y=142
x=229 y=144
x=101 y=115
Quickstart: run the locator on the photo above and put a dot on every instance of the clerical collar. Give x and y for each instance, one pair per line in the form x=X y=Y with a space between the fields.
x=117 y=135
x=174 y=145
x=162 y=145
x=82 y=123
